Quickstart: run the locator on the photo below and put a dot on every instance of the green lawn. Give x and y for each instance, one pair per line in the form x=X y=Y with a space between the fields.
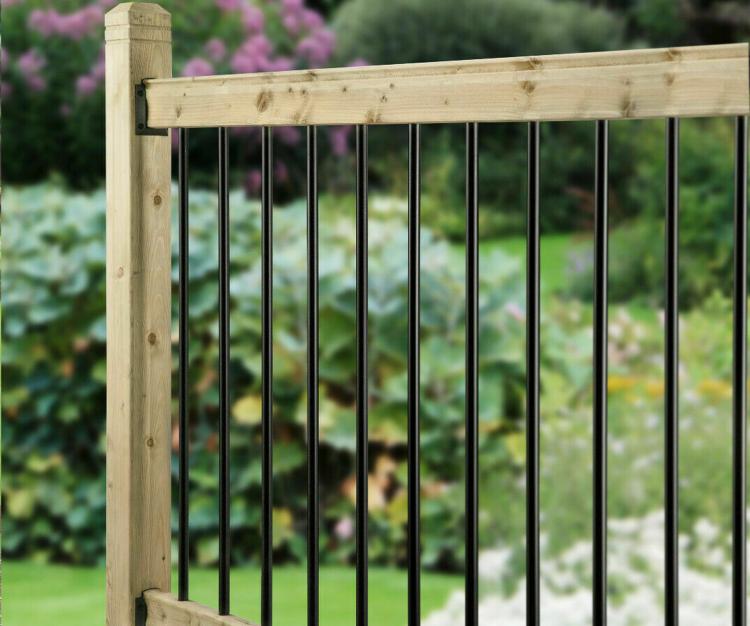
x=71 y=596
x=553 y=256
x=554 y=253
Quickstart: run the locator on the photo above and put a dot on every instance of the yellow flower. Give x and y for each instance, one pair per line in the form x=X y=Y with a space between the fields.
x=620 y=383
x=715 y=388
x=655 y=388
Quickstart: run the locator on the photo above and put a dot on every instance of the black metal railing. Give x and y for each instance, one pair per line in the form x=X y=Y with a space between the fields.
x=739 y=382
x=533 y=423
x=532 y=381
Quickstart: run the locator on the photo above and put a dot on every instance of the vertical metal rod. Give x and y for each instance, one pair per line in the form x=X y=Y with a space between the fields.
x=671 y=366
x=313 y=498
x=224 y=554
x=413 y=378
x=600 y=374
x=739 y=400
x=362 y=374
x=472 y=368
x=532 y=381
x=267 y=375
x=184 y=452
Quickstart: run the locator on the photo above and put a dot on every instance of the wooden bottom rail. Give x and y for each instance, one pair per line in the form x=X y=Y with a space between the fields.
x=164 y=609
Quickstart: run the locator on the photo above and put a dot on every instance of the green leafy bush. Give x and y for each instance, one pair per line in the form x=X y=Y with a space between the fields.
x=405 y=31
x=706 y=222
x=413 y=31
x=54 y=375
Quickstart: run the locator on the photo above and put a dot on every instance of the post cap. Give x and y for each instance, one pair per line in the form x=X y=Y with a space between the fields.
x=138 y=14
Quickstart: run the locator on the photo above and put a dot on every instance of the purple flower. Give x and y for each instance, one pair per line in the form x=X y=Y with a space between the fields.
x=281 y=172
x=340 y=139
x=252 y=55
x=215 y=49
x=312 y=19
x=326 y=37
x=292 y=23
x=197 y=67
x=98 y=71
x=244 y=131
x=280 y=64
x=358 y=62
x=86 y=85
x=253 y=18
x=5 y=89
x=39 y=21
x=31 y=62
x=35 y=82
x=243 y=63
x=74 y=25
x=317 y=47
x=253 y=181
x=260 y=44
x=292 y=5
x=290 y=135
x=65 y=110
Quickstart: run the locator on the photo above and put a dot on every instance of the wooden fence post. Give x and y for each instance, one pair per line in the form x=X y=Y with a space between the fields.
x=138 y=46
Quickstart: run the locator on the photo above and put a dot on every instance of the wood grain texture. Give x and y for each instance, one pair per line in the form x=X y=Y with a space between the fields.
x=165 y=610
x=687 y=82
x=138 y=317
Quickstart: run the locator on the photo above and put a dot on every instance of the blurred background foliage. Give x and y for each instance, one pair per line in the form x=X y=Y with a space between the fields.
x=53 y=269
x=54 y=375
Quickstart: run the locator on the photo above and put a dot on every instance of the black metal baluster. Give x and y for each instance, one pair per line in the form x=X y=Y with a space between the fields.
x=600 y=374
x=362 y=375
x=267 y=374
x=671 y=365
x=739 y=399
x=224 y=555
x=184 y=453
x=313 y=499
x=413 y=378
x=472 y=368
x=532 y=381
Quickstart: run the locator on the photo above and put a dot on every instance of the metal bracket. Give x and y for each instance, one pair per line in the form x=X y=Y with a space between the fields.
x=141 y=611
x=141 y=114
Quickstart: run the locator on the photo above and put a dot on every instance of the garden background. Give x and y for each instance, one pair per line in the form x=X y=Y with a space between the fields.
x=53 y=357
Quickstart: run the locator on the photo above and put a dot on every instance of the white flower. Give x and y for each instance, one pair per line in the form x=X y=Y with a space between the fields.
x=636 y=571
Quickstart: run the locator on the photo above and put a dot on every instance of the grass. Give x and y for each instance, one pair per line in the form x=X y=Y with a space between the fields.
x=554 y=253
x=74 y=596
x=553 y=257
x=555 y=250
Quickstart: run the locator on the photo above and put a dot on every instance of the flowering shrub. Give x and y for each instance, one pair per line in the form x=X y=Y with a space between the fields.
x=636 y=580
x=635 y=476
x=53 y=74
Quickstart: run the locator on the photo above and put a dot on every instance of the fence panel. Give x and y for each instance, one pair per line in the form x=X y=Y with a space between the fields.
x=143 y=102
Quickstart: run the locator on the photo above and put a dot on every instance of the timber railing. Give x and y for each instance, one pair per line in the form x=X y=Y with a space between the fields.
x=143 y=102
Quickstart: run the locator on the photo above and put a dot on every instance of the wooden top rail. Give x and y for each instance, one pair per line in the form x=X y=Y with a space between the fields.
x=686 y=82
